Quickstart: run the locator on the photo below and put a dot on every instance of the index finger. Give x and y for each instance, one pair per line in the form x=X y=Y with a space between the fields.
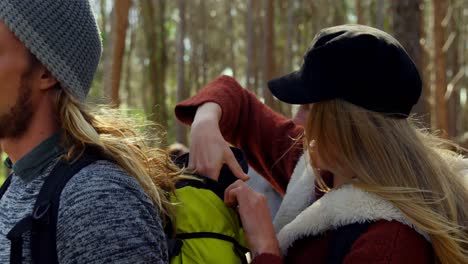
x=236 y=169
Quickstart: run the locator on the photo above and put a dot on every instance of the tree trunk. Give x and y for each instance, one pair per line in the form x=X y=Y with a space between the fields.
x=103 y=15
x=268 y=49
x=145 y=93
x=359 y=12
x=290 y=36
x=128 y=70
x=440 y=10
x=158 y=93
x=193 y=33
x=452 y=95
x=107 y=60
x=464 y=78
x=258 y=48
x=181 y=131
x=162 y=47
x=250 y=32
x=340 y=13
x=231 y=37
x=288 y=33
x=381 y=14
x=203 y=31
x=194 y=61
x=407 y=27
x=119 y=28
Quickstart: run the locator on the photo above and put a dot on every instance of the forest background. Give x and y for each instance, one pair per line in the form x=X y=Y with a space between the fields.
x=159 y=52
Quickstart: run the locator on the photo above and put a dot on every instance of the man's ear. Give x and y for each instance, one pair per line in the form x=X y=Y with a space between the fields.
x=46 y=80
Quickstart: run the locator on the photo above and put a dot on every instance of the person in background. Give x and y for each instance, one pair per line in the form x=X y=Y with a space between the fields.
x=396 y=195
x=111 y=211
x=176 y=150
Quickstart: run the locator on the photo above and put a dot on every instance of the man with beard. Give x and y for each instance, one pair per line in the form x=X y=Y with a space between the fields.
x=14 y=122
x=112 y=210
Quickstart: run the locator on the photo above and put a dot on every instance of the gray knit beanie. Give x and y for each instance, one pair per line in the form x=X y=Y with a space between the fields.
x=62 y=34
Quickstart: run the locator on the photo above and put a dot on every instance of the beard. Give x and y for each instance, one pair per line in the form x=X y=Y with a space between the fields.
x=15 y=123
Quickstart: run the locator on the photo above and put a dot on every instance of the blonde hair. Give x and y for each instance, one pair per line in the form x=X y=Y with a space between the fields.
x=405 y=165
x=119 y=139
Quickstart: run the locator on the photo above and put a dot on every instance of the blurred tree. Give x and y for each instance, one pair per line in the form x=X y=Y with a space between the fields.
x=162 y=49
x=380 y=14
x=268 y=67
x=359 y=12
x=204 y=38
x=181 y=131
x=103 y=5
x=128 y=68
x=339 y=13
x=440 y=10
x=157 y=111
x=119 y=31
x=258 y=47
x=230 y=38
x=455 y=69
x=407 y=28
x=463 y=119
x=250 y=29
x=290 y=22
x=193 y=36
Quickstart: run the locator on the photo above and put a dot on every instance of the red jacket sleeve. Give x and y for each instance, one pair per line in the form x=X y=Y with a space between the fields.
x=269 y=140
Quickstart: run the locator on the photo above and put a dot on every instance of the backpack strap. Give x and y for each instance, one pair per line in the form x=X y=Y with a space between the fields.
x=43 y=221
x=16 y=237
x=175 y=244
x=15 y=234
x=238 y=248
x=342 y=241
x=5 y=186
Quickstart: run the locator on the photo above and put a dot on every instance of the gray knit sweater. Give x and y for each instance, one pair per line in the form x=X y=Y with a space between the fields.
x=104 y=215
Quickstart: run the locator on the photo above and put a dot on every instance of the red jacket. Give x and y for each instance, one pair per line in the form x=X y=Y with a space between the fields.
x=306 y=221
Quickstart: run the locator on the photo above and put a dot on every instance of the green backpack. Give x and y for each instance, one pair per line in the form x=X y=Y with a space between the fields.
x=207 y=231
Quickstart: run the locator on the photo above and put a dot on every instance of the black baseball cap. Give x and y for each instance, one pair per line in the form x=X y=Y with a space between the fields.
x=359 y=64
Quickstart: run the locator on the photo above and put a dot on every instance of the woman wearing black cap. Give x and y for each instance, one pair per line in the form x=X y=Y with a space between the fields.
x=397 y=196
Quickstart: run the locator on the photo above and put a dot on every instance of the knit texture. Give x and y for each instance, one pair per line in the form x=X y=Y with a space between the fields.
x=62 y=34
x=104 y=217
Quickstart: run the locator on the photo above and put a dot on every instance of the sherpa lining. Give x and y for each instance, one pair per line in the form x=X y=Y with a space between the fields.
x=340 y=207
x=301 y=215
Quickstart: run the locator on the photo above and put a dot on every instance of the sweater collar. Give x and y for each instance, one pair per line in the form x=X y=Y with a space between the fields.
x=38 y=159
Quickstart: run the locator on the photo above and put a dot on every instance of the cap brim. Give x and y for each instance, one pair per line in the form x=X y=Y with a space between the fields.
x=291 y=89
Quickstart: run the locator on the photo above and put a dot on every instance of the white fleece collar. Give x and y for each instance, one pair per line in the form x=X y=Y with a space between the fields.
x=340 y=207
x=300 y=215
x=300 y=193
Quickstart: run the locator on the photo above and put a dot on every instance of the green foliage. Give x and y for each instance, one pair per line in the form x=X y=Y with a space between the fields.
x=3 y=169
